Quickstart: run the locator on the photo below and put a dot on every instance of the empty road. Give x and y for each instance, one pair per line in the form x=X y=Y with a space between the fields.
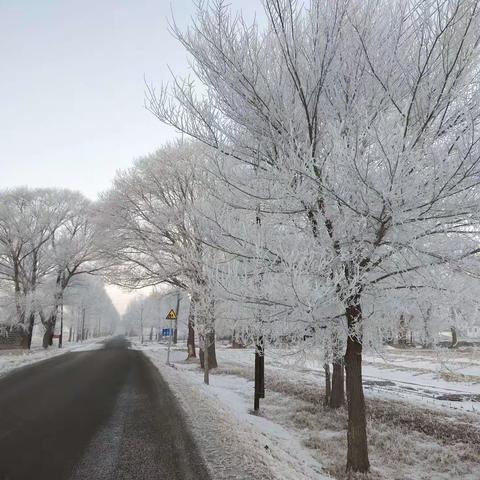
x=100 y=414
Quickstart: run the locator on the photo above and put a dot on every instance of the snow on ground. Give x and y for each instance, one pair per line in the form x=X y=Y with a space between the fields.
x=432 y=378
x=86 y=347
x=419 y=437
x=12 y=359
x=236 y=444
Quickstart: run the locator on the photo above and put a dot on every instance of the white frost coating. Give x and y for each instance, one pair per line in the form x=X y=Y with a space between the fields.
x=10 y=360
x=88 y=347
x=235 y=444
x=301 y=437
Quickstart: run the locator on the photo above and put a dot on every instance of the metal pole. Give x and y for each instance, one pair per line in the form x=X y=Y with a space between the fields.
x=175 y=331
x=169 y=345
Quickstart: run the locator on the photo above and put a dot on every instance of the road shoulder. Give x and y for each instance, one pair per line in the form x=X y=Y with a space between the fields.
x=232 y=449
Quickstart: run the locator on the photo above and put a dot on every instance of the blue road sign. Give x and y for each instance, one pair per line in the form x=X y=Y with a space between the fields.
x=167 y=332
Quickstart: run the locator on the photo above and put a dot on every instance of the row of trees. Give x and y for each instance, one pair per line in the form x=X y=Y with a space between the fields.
x=48 y=249
x=329 y=190
x=331 y=186
x=145 y=316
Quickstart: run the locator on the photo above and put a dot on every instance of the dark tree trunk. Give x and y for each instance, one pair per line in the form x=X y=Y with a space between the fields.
x=31 y=322
x=357 y=450
x=402 y=332
x=48 y=335
x=337 y=396
x=151 y=334
x=328 y=384
x=259 y=373
x=212 y=356
x=191 y=333
x=235 y=343
x=70 y=333
x=454 y=343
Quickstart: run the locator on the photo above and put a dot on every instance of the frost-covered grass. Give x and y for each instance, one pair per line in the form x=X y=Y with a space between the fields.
x=408 y=439
x=398 y=449
x=432 y=378
x=235 y=444
x=406 y=442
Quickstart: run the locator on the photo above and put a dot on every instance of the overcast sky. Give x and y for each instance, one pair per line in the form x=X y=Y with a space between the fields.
x=72 y=87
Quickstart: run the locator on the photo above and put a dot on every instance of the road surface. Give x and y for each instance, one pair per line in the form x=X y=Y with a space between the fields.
x=101 y=414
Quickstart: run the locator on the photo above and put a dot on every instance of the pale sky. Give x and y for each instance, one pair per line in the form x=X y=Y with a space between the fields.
x=72 y=87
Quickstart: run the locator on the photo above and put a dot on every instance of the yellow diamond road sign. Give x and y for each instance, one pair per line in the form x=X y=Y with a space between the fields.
x=171 y=315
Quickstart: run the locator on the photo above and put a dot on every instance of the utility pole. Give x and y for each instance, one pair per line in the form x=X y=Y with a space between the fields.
x=175 y=330
x=169 y=346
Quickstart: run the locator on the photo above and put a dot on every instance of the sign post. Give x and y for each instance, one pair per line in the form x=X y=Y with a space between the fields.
x=171 y=315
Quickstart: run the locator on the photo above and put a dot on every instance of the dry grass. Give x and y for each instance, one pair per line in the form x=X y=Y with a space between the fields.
x=406 y=442
x=396 y=451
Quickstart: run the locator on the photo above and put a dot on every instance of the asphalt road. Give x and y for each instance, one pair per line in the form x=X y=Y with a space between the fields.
x=101 y=414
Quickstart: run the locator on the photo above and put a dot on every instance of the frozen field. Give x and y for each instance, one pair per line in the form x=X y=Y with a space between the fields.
x=415 y=433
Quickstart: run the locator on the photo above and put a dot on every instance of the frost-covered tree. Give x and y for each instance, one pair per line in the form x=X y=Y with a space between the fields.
x=46 y=237
x=89 y=311
x=152 y=236
x=74 y=250
x=354 y=127
x=28 y=220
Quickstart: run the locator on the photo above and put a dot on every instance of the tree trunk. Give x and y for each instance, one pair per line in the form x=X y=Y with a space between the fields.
x=235 y=343
x=206 y=366
x=70 y=333
x=259 y=373
x=191 y=340
x=357 y=450
x=151 y=334
x=191 y=330
x=454 y=343
x=328 y=385
x=337 y=396
x=48 y=335
x=212 y=356
x=31 y=322
x=402 y=332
